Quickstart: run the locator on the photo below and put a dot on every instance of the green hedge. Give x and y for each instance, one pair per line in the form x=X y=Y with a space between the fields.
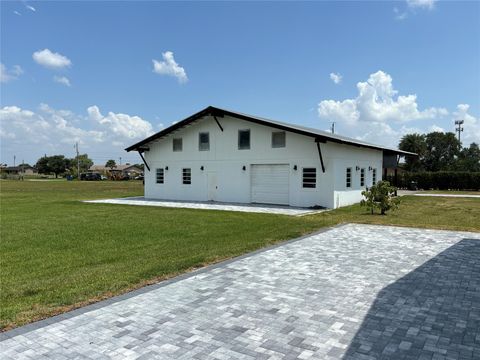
x=441 y=180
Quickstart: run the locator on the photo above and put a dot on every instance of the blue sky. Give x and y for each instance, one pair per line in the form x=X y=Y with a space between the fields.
x=84 y=71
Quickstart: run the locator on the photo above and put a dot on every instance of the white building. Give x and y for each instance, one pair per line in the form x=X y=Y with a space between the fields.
x=221 y=155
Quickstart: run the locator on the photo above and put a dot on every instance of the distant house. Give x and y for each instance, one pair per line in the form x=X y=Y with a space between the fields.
x=123 y=170
x=222 y=155
x=19 y=170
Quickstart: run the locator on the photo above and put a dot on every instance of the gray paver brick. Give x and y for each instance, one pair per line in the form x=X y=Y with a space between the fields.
x=354 y=292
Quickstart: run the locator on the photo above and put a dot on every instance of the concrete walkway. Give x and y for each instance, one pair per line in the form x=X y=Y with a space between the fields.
x=254 y=208
x=353 y=292
x=451 y=195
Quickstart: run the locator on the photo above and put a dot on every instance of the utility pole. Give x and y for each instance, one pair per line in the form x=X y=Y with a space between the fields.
x=459 y=128
x=14 y=158
x=120 y=160
x=333 y=127
x=78 y=162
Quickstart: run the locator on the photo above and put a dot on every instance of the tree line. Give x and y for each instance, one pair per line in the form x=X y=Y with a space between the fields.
x=438 y=151
x=60 y=165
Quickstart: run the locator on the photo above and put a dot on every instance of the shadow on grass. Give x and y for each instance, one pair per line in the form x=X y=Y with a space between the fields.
x=434 y=311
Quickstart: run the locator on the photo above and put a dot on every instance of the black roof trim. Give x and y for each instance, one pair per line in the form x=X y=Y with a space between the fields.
x=318 y=135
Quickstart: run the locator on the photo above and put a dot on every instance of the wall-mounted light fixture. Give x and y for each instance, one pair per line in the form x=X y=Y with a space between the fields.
x=201 y=167
x=244 y=168
x=166 y=167
x=357 y=168
x=370 y=168
x=295 y=167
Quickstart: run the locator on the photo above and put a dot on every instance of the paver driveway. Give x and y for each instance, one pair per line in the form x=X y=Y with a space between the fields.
x=353 y=292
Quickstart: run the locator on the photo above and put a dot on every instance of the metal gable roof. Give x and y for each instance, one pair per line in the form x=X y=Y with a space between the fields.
x=319 y=135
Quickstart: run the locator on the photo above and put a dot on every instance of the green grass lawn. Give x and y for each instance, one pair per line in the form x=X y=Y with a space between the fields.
x=453 y=192
x=58 y=253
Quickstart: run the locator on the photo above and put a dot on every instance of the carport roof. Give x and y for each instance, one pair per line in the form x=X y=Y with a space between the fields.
x=318 y=135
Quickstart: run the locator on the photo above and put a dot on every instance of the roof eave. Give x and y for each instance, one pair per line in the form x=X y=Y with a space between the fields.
x=211 y=110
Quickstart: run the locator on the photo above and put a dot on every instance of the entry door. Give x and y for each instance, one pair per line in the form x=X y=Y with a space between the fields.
x=212 y=186
x=270 y=184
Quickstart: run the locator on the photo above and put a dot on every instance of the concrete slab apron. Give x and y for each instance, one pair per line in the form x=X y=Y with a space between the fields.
x=354 y=292
x=253 y=208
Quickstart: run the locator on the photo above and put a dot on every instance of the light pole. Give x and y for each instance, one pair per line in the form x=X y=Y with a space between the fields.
x=458 y=127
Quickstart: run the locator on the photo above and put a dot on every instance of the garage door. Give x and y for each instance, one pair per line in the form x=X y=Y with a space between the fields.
x=269 y=184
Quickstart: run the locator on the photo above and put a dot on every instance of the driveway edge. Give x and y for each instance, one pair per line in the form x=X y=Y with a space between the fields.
x=82 y=310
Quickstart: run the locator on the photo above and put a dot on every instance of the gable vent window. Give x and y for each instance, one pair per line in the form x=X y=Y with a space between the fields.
x=348 y=183
x=374 y=176
x=278 y=139
x=204 y=141
x=160 y=176
x=362 y=177
x=187 y=176
x=309 y=177
x=177 y=144
x=243 y=139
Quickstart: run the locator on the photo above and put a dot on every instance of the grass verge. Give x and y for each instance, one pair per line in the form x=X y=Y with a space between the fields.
x=57 y=253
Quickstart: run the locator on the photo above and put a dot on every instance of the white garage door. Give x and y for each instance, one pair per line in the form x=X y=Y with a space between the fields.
x=269 y=184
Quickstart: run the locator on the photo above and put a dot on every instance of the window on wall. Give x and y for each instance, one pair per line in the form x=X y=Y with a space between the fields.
x=160 y=176
x=243 y=139
x=348 y=178
x=187 y=176
x=309 y=177
x=362 y=177
x=177 y=144
x=278 y=139
x=374 y=176
x=204 y=141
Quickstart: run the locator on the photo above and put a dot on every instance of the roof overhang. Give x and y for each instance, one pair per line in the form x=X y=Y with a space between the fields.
x=319 y=136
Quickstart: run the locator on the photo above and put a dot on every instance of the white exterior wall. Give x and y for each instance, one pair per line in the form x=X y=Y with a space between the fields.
x=224 y=161
x=350 y=156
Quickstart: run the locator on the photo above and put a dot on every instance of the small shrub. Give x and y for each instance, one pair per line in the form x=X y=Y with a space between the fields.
x=381 y=196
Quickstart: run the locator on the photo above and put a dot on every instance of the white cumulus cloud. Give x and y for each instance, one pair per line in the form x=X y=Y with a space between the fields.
x=379 y=113
x=7 y=75
x=62 y=80
x=169 y=67
x=31 y=8
x=377 y=101
x=32 y=133
x=336 y=78
x=122 y=125
x=50 y=59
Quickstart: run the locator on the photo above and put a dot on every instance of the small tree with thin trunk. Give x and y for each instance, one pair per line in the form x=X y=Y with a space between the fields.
x=111 y=164
x=382 y=196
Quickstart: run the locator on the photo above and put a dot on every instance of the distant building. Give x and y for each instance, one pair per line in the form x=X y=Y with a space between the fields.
x=19 y=170
x=123 y=170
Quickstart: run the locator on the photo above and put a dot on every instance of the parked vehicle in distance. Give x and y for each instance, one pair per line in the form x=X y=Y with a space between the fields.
x=139 y=177
x=90 y=176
